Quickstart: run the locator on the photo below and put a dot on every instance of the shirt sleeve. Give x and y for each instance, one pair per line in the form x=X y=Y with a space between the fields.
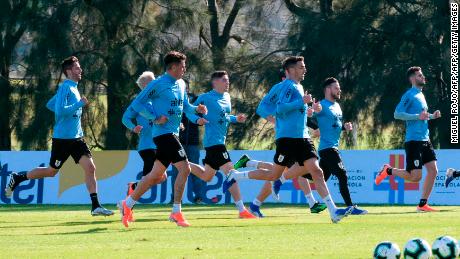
x=193 y=116
x=266 y=107
x=51 y=104
x=401 y=109
x=128 y=117
x=143 y=105
x=284 y=106
x=62 y=106
x=189 y=108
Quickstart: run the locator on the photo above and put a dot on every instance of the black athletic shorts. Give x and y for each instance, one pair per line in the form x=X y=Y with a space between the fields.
x=418 y=153
x=61 y=149
x=169 y=149
x=331 y=163
x=148 y=156
x=291 y=150
x=216 y=156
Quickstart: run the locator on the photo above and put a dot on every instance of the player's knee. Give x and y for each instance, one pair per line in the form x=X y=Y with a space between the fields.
x=317 y=173
x=416 y=177
x=52 y=172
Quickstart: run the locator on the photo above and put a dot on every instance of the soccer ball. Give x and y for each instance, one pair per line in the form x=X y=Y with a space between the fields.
x=445 y=247
x=387 y=250
x=417 y=248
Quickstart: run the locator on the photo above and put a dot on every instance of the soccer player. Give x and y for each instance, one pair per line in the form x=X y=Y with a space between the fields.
x=267 y=109
x=331 y=127
x=451 y=174
x=293 y=142
x=164 y=100
x=67 y=137
x=219 y=117
x=419 y=152
x=146 y=148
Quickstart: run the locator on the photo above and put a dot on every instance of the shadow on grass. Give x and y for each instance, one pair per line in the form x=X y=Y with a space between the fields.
x=89 y=231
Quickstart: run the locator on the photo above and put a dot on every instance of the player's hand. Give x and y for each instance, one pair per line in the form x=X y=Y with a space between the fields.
x=201 y=121
x=316 y=133
x=307 y=97
x=241 y=117
x=316 y=106
x=202 y=109
x=348 y=126
x=424 y=116
x=162 y=120
x=437 y=114
x=84 y=100
x=271 y=119
x=137 y=129
x=181 y=126
x=310 y=112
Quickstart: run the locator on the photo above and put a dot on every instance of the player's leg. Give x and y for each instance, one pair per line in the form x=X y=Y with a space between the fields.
x=148 y=158
x=59 y=154
x=429 y=161
x=313 y=204
x=183 y=169
x=246 y=161
x=234 y=190
x=254 y=207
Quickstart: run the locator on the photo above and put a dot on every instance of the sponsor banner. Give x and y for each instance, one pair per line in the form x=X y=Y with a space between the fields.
x=116 y=168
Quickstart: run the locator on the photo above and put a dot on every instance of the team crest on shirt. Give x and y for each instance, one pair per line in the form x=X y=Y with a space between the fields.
x=280 y=158
x=416 y=163
x=225 y=154
x=57 y=163
x=182 y=152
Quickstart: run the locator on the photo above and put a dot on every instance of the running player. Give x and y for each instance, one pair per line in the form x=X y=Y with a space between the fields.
x=331 y=126
x=68 y=140
x=164 y=100
x=419 y=152
x=292 y=138
x=146 y=147
x=217 y=158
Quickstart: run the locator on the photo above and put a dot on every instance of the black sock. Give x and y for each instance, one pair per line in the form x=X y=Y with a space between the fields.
x=456 y=174
x=94 y=201
x=389 y=171
x=133 y=186
x=422 y=202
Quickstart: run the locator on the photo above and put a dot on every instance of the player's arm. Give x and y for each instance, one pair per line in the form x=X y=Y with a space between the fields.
x=62 y=106
x=192 y=115
x=402 y=107
x=142 y=104
x=51 y=104
x=284 y=105
x=128 y=117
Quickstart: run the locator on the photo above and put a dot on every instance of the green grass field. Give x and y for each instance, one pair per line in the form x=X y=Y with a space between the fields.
x=287 y=232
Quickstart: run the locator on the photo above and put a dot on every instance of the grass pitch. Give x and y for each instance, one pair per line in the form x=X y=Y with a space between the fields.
x=288 y=231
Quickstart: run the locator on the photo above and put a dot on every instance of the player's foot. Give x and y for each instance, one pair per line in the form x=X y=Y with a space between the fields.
x=241 y=163
x=255 y=210
x=318 y=207
x=245 y=214
x=382 y=174
x=276 y=187
x=101 y=211
x=130 y=188
x=12 y=183
x=357 y=211
x=339 y=214
x=178 y=217
x=426 y=208
x=125 y=211
x=449 y=176
x=228 y=182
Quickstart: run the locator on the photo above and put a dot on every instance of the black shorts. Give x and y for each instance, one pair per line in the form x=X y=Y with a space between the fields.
x=291 y=150
x=61 y=149
x=216 y=156
x=331 y=163
x=418 y=153
x=148 y=156
x=169 y=149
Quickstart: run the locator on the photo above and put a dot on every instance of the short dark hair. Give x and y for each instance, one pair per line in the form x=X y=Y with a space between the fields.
x=281 y=74
x=328 y=81
x=173 y=57
x=411 y=71
x=291 y=61
x=68 y=64
x=218 y=74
